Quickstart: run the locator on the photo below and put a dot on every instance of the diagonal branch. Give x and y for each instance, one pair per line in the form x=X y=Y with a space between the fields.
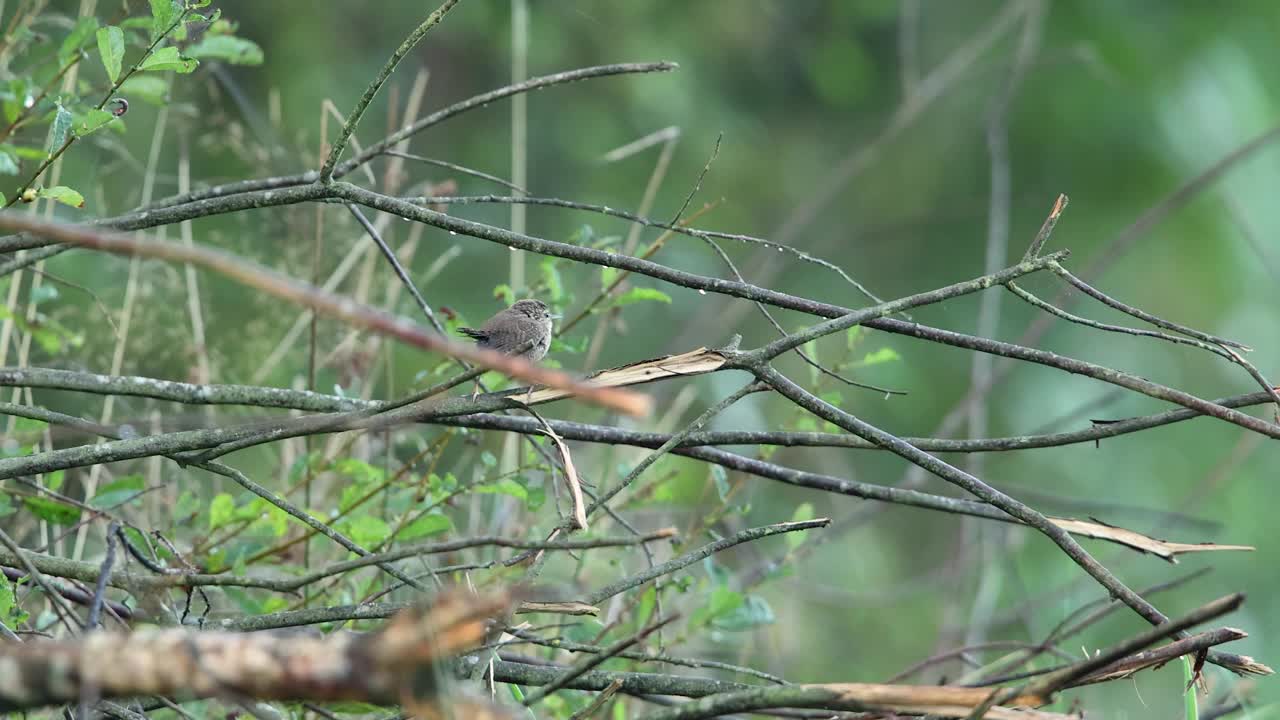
x=340 y=307
x=326 y=172
x=1061 y=537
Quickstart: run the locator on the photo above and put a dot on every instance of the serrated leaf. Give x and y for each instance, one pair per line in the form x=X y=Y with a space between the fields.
x=77 y=38
x=641 y=294
x=167 y=58
x=58 y=513
x=64 y=195
x=58 y=130
x=111 y=50
x=163 y=13
x=228 y=48
x=426 y=526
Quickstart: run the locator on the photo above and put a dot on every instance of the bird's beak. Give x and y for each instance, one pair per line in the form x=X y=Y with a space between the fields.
x=555 y=317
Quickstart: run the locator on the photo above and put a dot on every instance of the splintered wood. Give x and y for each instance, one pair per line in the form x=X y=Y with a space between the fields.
x=694 y=362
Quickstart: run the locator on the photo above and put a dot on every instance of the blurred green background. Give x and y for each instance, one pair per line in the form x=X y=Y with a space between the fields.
x=1120 y=104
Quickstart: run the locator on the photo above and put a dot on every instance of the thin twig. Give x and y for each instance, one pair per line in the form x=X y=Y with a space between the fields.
x=353 y=119
x=589 y=662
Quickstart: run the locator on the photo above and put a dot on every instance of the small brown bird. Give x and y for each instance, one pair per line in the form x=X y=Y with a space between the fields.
x=526 y=324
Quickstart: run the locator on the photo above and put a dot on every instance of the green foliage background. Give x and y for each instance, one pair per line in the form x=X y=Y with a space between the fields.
x=1124 y=103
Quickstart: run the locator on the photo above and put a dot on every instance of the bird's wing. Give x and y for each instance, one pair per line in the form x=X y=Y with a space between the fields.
x=473 y=333
x=508 y=336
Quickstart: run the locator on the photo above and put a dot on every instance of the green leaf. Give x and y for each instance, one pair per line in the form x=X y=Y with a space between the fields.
x=368 y=530
x=537 y=496
x=41 y=294
x=188 y=506
x=723 y=601
x=607 y=276
x=114 y=493
x=640 y=294
x=55 y=479
x=1190 y=707
x=77 y=38
x=221 y=510
x=137 y=23
x=852 y=336
x=721 y=479
x=718 y=574
x=163 y=13
x=111 y=49
x=10 y=613
x=8 y=601
x=151 y=89
x=426 y=526
x=551 y=276
x=93 y=120
x=359 y=470
x=167 y=58
x=228 y=48
x=277 y=520
x=58 y=130
x=26 y=153
x=751 y=613
x=883 y=355
x=58 y=513
x=64 y=195
x=803 y=512
x=503 y=487
x=488 y=459
x=8 y=163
